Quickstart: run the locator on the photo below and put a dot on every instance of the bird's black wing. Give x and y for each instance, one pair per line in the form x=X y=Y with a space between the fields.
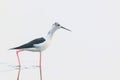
x=31 y=43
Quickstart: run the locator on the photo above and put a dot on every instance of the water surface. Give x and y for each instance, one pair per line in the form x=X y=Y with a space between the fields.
x=14 y=72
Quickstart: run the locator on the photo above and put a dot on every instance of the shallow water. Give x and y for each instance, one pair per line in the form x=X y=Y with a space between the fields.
x=13 y=72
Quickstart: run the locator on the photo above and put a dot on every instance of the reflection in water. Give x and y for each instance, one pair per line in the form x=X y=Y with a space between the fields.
x=19 y=70
x=8 y=68
x=40 y=72
x=5 y=67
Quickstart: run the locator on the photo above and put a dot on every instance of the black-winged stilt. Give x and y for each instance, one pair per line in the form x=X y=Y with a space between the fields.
x=39 y=44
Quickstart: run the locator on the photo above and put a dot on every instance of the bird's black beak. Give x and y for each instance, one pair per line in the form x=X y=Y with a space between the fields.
x=65 y=28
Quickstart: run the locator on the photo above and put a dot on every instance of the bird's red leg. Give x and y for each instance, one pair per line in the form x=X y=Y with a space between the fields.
x=17 y=53
x=40 y=66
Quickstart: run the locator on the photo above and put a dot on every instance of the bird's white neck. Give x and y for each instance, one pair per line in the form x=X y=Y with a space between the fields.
x=51 y=32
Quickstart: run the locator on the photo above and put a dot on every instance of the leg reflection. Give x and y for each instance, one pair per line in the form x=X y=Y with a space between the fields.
x=40 y=73
x=40 y=67
x=19 y=70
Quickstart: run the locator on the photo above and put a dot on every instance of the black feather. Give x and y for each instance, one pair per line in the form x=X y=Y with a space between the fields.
x=30 y=44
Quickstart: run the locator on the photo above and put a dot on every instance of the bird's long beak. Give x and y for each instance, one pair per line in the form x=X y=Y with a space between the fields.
x=65 y=28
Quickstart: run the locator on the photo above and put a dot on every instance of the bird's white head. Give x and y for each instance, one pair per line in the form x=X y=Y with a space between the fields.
x=55 y=27
x=58 y=26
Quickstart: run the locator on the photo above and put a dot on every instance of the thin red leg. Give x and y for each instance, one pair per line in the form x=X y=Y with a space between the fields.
x=17 y=53
x=40 y=66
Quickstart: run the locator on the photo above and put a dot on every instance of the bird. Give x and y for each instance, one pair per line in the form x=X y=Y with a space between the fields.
x=38 y=44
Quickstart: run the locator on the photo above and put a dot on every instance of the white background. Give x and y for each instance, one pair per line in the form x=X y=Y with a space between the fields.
x=90 y=52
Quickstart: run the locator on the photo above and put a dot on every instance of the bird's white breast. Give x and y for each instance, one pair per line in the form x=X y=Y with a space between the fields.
x=42 y=46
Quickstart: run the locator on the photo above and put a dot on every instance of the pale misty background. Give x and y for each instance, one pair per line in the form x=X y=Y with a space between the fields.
x=90 y=52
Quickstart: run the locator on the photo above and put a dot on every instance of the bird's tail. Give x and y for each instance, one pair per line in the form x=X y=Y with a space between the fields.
x=12 y=48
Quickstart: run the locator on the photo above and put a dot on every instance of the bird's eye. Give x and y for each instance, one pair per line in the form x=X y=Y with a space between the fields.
x=57 y=24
